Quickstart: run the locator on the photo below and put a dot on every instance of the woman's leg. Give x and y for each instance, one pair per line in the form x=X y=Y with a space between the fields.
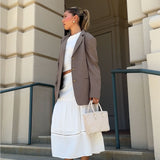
x=85 y=158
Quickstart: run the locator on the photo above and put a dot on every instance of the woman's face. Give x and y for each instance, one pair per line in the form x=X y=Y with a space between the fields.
x=68 y=19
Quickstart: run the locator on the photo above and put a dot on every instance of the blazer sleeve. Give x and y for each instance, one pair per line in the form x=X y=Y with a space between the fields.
x=58 y=61
x=93 y=66
x=57 y=67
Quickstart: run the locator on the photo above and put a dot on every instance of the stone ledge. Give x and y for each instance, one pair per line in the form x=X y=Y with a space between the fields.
x=154 y=22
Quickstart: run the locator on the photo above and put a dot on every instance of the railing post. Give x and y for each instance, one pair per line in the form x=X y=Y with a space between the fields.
x=115 y=111
x=30 y=115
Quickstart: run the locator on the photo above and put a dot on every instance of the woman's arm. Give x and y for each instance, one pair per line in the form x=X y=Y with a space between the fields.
x=93 y=67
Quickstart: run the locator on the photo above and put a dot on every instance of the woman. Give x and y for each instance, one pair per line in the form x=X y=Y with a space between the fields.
x=78 y=81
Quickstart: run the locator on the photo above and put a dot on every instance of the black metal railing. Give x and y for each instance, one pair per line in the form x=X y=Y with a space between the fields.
x=31 y=101
x=114 y=72
x=124 y=71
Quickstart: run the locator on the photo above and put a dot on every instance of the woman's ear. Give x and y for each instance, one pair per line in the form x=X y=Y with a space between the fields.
x=76 y=18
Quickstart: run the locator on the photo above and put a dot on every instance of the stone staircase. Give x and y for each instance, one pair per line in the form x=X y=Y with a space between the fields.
x=40 y=149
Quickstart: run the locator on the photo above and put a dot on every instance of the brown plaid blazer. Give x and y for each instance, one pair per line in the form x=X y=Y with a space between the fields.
x=86 y=76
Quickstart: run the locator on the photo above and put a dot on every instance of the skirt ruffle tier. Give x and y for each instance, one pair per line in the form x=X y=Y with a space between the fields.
x=68 y=136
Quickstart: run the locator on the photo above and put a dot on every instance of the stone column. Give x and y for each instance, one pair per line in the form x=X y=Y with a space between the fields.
x=139 y=14
x=153 y=60
x=30 y=39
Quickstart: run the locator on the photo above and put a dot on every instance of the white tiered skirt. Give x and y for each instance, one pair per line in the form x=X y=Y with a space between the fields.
x=68 y=137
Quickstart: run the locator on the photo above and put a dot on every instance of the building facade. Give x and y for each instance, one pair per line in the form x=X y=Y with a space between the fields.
x=128 y=36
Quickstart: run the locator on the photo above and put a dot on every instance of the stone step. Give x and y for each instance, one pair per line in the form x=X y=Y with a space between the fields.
x=109 y=140
x=44 y=151
x=25 y=157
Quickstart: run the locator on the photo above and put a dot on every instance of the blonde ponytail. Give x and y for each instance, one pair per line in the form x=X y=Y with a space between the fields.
x=83 y=14
x=86 y=19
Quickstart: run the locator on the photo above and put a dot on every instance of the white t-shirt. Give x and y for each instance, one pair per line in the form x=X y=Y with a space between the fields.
x=69 y=51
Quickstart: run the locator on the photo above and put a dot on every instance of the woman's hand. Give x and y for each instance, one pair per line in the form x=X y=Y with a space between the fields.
x=95 y=100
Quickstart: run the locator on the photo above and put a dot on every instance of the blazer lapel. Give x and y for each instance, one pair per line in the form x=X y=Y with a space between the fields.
x=79 y=40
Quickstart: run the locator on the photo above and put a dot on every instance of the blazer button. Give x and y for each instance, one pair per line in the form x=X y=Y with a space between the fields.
x=74 y=80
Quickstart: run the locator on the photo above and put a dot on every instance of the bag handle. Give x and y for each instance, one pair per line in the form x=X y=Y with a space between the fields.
x=91 y=104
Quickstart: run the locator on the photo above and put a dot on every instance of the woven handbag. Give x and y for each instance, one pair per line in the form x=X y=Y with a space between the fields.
x=96 y=121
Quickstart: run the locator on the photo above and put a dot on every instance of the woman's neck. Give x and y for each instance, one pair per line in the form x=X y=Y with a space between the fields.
x=75 y=30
